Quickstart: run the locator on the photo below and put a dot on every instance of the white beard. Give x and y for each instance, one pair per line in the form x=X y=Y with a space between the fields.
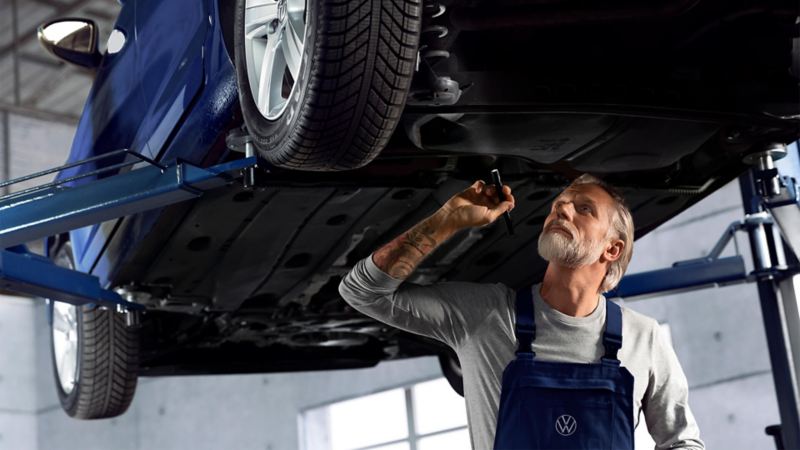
x=560 y=249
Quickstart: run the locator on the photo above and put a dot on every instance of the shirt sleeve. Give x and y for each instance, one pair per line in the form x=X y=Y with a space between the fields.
x=447 y=311
x=666 y=401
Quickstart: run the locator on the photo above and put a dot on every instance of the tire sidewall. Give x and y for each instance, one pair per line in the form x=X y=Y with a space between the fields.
x=452 y=371
x=271 y=134
x=69 y=402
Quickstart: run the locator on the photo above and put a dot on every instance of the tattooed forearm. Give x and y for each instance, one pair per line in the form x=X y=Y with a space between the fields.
x=422 y=238
x=400 y=257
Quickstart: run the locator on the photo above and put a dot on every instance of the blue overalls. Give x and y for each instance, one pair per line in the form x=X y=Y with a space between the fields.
x=554 y=405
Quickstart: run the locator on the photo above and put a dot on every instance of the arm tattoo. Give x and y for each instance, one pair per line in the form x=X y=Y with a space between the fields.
x=400 y=257
x=421 y=238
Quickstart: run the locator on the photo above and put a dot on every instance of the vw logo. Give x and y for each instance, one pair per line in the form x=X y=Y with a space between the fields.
x=566 y=425
x=282 y=10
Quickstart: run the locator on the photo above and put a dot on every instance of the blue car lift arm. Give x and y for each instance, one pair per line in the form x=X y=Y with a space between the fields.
x=49 y=210
x=53 y=208
x=689 y=275
x=52 y=281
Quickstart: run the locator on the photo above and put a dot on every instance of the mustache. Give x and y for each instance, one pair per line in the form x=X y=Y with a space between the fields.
x=562 y=225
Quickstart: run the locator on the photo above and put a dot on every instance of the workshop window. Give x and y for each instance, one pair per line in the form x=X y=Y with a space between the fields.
x=423 y=416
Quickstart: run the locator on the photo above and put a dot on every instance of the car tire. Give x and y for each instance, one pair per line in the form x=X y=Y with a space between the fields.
x=451 y=369
x=102 y=368
x=358 y=58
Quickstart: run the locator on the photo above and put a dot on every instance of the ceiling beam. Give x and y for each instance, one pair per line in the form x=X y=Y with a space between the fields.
x=50 y=3
x=48 y=116
x=101 y=14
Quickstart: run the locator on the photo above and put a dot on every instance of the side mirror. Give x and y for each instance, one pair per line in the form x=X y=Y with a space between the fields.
x=72 y=40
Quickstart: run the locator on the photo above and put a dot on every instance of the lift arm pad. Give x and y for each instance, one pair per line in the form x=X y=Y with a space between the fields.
x=33 y=275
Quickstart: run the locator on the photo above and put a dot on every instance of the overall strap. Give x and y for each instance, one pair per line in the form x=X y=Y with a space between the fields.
x=525 y=327
x=612 y=337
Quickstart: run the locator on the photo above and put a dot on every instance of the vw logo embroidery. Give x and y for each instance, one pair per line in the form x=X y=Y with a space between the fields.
x=566 y=425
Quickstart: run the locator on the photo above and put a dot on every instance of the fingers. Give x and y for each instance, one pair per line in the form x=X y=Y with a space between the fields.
x=495 y=213
x=510 y=197
x=489 y=191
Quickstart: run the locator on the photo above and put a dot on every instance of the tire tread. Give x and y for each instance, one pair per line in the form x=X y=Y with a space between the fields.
x=361 y=74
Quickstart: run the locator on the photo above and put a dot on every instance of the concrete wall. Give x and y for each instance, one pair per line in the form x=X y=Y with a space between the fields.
x=34 y=145
x=18 y=408
x=224 y=412
x=26 y=145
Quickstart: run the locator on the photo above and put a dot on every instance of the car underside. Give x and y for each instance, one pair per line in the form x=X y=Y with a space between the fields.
x=663 y=101
x=225 y=276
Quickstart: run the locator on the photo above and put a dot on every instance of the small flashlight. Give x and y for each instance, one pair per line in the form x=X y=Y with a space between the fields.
x=498 y=185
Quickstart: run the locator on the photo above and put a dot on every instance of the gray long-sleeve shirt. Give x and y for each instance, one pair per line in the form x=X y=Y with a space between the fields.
x=477 y=321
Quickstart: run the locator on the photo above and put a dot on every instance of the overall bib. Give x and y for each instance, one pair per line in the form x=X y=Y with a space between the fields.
x=553 y=405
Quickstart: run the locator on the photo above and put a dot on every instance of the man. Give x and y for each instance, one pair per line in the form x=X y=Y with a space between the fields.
x=587 y=239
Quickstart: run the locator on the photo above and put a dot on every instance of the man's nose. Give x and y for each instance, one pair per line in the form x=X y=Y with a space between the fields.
x=565 y=210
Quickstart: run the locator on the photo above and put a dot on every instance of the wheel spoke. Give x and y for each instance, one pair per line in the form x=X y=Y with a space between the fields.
x=272 y=67
x=274 y=38
x=65 y=343
x=292 y=47
x=59 y=337
x=72 y=312
x=69 y=369
x=258 y=17
x=62 y=361
x=60 y=322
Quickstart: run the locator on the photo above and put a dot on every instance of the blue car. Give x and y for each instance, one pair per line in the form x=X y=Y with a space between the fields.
x=366 y=116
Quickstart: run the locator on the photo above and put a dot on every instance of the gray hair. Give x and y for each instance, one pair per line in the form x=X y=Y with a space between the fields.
x=622 y=227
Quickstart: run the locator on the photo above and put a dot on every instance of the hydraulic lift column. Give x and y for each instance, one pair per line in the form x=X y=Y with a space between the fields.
x=762 y=189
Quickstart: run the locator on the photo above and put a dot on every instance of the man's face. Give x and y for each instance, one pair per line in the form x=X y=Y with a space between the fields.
x=574 y=233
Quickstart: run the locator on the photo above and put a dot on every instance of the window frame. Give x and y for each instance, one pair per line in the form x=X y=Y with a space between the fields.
x=413 y=436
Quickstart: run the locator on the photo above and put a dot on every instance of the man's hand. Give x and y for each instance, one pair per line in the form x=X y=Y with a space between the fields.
x=476 y=206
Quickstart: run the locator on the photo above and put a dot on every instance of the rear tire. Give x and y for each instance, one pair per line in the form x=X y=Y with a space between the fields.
x=358 y=58
x=451 y=369
x=105 y=358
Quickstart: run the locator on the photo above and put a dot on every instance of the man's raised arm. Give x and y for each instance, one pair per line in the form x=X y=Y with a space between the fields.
x=400 y=257
x=373 y=285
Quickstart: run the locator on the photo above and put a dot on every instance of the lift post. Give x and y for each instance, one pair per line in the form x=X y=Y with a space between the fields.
x=763 y=188
x=772 y=217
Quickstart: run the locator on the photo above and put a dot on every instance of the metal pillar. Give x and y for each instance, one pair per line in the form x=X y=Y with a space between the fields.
x=15 y=42
x=779 y=321
x=6 y=151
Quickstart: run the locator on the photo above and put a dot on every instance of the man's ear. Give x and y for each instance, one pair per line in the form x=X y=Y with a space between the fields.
x=613 y=250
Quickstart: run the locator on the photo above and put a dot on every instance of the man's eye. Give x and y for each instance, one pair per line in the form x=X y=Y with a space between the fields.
x=586 y=208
